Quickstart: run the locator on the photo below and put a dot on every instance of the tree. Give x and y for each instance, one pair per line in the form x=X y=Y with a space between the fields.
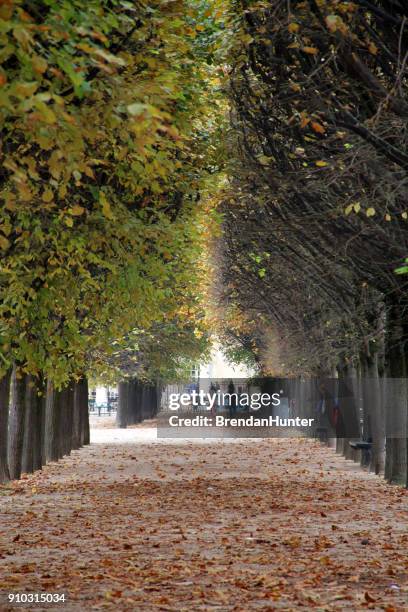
x=107 y=144
x=315 y=220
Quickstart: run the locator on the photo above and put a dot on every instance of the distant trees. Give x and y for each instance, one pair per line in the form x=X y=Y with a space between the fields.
x=316 y=218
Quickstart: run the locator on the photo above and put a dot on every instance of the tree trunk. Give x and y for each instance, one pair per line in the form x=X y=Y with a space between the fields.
x=145 y=402
x=80 y=429
x=31 y=400
x=396 y=469
x=52 y=415
x=77 y=417
x=159 y=393
x=16 y=427
x=372 y=404
x=85 y=433
x=132 y=401
x=60 y=406
x=396 y=442
x=340 y=446
x=347 y=421
x=139 y=403
x=65 y=400
x=122 y=412
x=355 y=382
x=363 y=410
x=38 y=452
x=4 y=420
x=153 y=399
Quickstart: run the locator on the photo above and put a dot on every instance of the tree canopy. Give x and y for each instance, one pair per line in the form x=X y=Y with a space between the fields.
x=107 y=143
x=312 y=236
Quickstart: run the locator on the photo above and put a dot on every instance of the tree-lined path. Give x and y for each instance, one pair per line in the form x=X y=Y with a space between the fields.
x=178 y=175
x=233 y=525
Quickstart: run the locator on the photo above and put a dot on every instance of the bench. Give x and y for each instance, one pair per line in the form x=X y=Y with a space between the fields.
x=361 y=444
x=365 y=448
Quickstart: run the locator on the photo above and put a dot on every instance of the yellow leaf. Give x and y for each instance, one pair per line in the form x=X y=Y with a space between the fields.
x=47 y=114
x=89 y=172
x=404 y=215
x=335 y=23
x=106 y=207
x=321 y=163
x=68 y=118
x=357 y=207
x=21 y=34
x=47 y=195
x=39 y=64
x=293 y=27
x=25 y=90
x=86 y=48
x=370 y=212
x=6 y=228
x=373 y=49
x=264 y=159
x=331 y=22
x=77 y=210
x=348 y=209
x=388 y=217
x=62 y=191
x=69 y=221
x=4 y=243
x=310 y=50
x=10 y=205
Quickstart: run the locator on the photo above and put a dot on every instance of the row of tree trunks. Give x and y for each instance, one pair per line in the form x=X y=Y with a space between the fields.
x=39 y=424
x=375 y=396
x=137 y=402
x=373 y=403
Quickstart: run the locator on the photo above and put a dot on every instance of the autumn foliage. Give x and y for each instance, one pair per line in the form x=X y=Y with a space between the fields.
x=106 y=147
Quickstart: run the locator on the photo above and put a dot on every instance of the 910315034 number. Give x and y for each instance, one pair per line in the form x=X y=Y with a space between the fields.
x=36 y=597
